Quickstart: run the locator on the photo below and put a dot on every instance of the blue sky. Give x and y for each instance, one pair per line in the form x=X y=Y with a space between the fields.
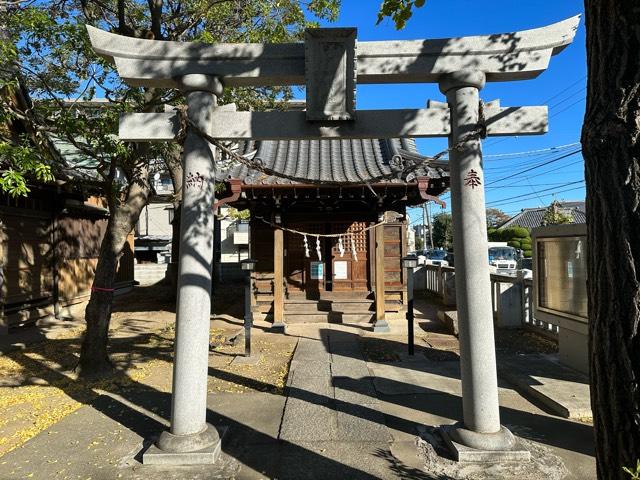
x=561 y=87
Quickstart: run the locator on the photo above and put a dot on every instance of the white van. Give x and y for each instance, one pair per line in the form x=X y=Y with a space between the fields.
x=503 y=259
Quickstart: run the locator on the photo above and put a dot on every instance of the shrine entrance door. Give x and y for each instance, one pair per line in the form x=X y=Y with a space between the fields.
x=337 y=270
x=350 y=272
x=305 y=274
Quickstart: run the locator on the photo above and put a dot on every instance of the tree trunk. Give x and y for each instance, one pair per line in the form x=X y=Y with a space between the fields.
x=174 y=164
x=610 y=137
x=94 y=359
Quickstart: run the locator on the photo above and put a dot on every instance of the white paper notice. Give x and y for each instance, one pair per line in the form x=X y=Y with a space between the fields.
x=340 y=271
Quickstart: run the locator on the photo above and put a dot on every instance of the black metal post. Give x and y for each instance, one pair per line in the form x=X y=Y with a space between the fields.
x=248 y=316
x=410 y=341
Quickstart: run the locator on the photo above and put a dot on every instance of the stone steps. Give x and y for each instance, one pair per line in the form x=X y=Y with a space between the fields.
x=340 y=310
x=331 y=307
x=328 y=317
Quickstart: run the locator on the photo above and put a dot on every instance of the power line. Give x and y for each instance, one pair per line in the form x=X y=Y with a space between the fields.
x=545 y=195
x=522 y=163
x=533 y=190
x=446 y=196
x=564 y=90
x=556 y=169
x=556 y=95
x=555 y=114
x=525 y=186
x=531 y=197
x=536 y=192
x=548 y=162
x=568 y=98
x=531 y=152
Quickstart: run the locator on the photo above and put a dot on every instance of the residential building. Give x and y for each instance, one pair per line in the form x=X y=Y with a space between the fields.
x=532 y=217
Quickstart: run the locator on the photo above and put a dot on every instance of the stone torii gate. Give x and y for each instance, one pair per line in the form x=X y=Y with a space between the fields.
x=329 y=63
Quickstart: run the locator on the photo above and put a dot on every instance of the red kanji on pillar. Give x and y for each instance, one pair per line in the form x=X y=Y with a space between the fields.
x=472 y=179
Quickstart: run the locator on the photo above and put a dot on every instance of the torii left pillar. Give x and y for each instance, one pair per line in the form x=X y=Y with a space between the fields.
x=190 y=439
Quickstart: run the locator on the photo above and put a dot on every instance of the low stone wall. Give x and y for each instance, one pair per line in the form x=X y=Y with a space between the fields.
x=511 y=297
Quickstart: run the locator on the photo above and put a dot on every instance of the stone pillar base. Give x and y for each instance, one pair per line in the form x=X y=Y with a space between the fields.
x=278 y=327
x=470 y=446
x=381 y=326
x=254 y=359
x=198 y=449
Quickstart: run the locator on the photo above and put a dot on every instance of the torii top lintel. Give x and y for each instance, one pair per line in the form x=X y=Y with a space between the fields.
x=502 y=57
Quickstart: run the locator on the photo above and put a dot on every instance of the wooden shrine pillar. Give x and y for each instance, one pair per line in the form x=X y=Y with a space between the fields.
x=381 y=324
x=278 y=279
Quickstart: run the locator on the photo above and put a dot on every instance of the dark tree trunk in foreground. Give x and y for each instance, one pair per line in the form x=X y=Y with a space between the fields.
x=610 y=140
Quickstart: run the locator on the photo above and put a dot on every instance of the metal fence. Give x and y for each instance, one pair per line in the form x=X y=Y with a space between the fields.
x=511 y=297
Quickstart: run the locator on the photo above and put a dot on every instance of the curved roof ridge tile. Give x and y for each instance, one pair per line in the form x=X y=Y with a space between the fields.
x=323 y=174
x=303 y=159
x=335 y=163
x=356 y=148
x=348 y=162
x=292 y=155
x=312 y=164
x=371 y=164
x=280 y=159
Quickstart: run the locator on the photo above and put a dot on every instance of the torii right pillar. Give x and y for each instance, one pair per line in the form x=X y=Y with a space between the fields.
x=480 y=437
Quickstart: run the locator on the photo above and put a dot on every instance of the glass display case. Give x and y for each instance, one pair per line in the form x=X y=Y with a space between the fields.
x=560 y=288
x=562 y=276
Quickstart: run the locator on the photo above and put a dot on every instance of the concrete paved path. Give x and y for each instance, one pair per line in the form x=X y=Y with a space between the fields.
x=340 y=417
x=330 y=394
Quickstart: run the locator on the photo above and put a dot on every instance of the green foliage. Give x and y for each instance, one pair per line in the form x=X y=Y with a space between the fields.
x=516 y=237
x=443 y=230
x=239 y=214
x=47 y=47
x=519 y=232
x=400 y=11
x=494 y=235
x=495 y=217
x=20 y=163
x=634 y=473
x=556 y=215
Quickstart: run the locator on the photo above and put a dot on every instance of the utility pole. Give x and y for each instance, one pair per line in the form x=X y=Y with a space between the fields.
x=425 y=223
x=428 y=209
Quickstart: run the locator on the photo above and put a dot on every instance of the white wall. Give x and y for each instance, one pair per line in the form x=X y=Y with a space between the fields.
x=229 y=252
x=158 y=220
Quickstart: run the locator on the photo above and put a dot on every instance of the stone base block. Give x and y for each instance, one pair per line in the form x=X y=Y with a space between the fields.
x=465 y=454
x=206 y=456
x=279 y=327
x=242 y=360
x=203 y=456
x=381 y=326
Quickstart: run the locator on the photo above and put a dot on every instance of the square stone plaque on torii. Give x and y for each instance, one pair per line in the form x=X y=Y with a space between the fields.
x=329 y=63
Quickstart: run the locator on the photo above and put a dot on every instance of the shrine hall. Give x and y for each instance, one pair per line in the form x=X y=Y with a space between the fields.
x=301 y=277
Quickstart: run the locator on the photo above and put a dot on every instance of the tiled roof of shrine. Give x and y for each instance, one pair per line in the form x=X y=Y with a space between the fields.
x=357 y=161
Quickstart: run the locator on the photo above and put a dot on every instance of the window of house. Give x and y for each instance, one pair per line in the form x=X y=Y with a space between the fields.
x=562 y=278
